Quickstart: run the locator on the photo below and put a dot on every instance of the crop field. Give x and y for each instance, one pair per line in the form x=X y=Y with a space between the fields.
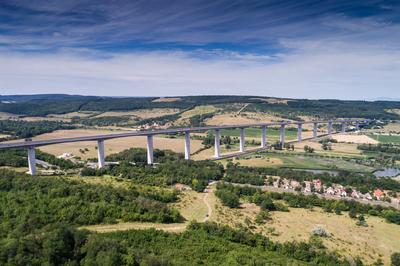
x=142 y=113
x=387 y=138
x=232 y=118
x=297 y=161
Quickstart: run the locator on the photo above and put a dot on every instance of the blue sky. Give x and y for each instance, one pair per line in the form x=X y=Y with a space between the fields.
x=296 y=49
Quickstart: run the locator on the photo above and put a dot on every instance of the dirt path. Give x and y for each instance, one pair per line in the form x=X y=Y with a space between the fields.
x=209 y=212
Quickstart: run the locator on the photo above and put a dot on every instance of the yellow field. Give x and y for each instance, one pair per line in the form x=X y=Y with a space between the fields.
x=166 y=100
x=73 y=114
x=111 y=146
x=44 y=118
x=242 y=118
x=4 y=116
x=199 y=110
x=351 y=138
x=142 y=113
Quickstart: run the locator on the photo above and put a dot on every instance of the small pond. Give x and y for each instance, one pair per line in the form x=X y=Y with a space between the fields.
x=387 y=172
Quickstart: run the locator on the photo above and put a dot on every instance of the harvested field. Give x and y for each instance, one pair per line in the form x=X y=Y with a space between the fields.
x=4 y=116
x=199 y=110
x=74 y=114
x=166 y=100
x=242 y=118
x=350 y=138
x=44 y=118
x=142 y=113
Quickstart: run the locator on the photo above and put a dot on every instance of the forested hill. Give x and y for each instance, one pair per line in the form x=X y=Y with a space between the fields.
x=44 y=104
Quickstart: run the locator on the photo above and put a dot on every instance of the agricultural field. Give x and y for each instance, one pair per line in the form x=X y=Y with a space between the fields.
x=142 y=113
x=236 y=118
x=298 y=161
x=386 y=138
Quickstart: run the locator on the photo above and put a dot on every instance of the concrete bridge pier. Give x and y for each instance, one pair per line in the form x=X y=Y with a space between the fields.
x=343 y=127
x=31 y=160
x=263 y=136
x=241 y=144
x=299 y=132
x=330 y=128
x=315 y=131
x=100 y=153
x=217 y=151
x=187 y=145
x=150 y=152
x=282 y=138
x=357 y=125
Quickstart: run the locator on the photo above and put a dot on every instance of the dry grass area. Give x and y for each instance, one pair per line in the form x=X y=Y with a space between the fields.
x=199 y=110
x=259 y=162
x=242 y=118
x=111 y=146
x=167 y=100
x=378 y=239
x=44 y=118
x=337 y=148
x=142 y=113
x=391 y=127
x=4 y=116
x=359 y=139
x=74 y=114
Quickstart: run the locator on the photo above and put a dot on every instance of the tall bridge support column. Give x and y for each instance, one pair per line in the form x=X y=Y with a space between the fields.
x=330 y=128
x=343 y=127
x=187 y=145
x=282 y=138
x=31 y=160
x=217 y=151
x=263 y=136
x=241 y=144
x=299 y=132
x=150 y=156
x=100 y=153
x=315 y=130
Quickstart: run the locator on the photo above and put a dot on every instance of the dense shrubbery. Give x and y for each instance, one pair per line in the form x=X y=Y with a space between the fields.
x=172 y=169
x=28 y=203
x=24 y=129
x=17 y=158
x=266 y=201
x=383 y=147
x=361 y=181
x=201 y=244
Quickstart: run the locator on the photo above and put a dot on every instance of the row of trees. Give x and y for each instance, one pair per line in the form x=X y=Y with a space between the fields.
x=24 y=129
x=382 y=147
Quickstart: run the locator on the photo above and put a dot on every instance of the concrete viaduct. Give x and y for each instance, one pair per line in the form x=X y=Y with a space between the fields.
x=31 y=145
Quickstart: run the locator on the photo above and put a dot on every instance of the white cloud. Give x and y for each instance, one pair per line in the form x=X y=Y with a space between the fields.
x=306 y=73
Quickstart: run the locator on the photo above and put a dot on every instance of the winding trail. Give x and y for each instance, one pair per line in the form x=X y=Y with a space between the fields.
x=209 y=211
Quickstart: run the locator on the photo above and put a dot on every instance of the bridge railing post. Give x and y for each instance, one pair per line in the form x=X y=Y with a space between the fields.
x=32 y=160
x=242 y=140
x=100 y=153
x=150 y=158
x=217 y=148
x=263 y=136
x=187 y=145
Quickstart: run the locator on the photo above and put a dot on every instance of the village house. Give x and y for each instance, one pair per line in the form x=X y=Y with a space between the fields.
x=330 y=191
x=378 y=194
